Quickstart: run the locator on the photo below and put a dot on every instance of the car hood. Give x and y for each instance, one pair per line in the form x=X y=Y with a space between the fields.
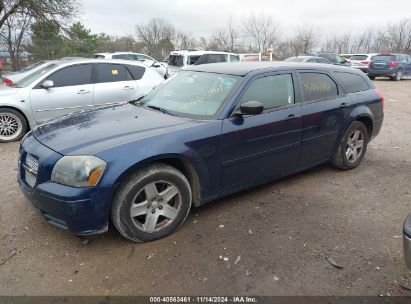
x=91 y=132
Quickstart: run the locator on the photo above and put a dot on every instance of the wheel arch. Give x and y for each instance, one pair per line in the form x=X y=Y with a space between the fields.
x=21 y=112
x=179 y=162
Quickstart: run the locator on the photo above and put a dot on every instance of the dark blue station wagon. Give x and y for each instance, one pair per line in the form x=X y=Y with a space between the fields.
x=209 y=131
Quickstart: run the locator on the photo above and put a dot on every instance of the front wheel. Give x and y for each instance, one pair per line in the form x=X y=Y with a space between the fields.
x=352 y=147
x=12 y=125
x=152 y=203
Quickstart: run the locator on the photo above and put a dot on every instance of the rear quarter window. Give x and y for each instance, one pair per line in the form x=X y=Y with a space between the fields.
x=359 y=57
x=137 y=71
x=351 y=82
x=318 y=86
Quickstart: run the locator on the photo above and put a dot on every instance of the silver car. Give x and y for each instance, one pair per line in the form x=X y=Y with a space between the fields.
x=64 y=87
x=160 y=67
x=361 y=61
x=407 y=241
x=308 y=59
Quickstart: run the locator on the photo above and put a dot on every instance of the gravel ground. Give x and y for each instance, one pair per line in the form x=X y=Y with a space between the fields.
x=272 y=240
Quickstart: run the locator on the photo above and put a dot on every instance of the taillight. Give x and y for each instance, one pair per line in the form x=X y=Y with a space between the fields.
x=7 y=81
x=381 y=98
x=394 y=64
x=365 y=62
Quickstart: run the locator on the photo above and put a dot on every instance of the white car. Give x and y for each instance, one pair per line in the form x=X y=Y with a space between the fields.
x=180 y=59
x=10 y=78
x=160 y=67
x=68 y=86
x=361 y=61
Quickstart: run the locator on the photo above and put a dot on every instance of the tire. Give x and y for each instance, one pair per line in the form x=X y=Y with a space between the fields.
x=158 y=194
x=398 y=76
x=371 y=77
x=13 y=125
x=344 y=157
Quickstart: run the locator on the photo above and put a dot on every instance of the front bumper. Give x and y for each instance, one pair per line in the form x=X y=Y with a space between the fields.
x=79 y=210
x=406 y=239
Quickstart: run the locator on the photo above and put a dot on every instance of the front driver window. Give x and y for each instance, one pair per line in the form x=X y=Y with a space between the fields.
x=271 y=91
x=72 y=76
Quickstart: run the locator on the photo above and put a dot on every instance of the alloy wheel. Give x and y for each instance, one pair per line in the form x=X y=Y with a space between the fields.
x=155 y=206
x=10 y=126
x=355 y=144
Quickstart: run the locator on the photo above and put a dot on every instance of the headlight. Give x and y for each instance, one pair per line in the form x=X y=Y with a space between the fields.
x=78 y=171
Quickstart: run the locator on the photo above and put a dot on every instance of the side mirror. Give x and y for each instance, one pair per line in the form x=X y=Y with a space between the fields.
x=252 y=107
x=156 y=65
x=48 y=84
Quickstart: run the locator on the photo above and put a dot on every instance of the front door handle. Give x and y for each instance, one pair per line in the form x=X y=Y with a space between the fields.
x=83 y=92
x=292 y=118
x=126 y=88
x=344 y=105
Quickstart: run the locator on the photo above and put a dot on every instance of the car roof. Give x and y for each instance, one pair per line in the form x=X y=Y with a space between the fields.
x=198 y=52
x=97 y=60
x=244 y=68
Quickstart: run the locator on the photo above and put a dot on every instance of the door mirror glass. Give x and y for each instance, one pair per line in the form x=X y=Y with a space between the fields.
x=252 y=107
x=48 y=84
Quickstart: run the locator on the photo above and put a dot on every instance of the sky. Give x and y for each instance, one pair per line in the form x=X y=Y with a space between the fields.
x=200 y=18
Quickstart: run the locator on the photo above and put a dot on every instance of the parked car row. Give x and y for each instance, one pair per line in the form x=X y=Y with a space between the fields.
x=66 y=86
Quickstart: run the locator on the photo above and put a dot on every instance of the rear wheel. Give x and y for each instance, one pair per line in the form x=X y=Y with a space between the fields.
x=371 y=77
x=398 y=76
x=152 y=203
x=12 y=125
x=352 y=147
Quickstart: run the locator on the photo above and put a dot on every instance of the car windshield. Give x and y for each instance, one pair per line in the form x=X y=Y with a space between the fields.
x=295 y=59
x=176 y=60
x=191 y=94
x=30 y=78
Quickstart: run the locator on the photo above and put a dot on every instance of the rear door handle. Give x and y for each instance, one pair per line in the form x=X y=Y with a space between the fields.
x=344 y=105
x=126 y=88
x=83 y=92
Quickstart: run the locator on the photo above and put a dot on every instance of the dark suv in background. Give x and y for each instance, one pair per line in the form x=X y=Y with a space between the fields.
x=333 y=58
x=394 y=66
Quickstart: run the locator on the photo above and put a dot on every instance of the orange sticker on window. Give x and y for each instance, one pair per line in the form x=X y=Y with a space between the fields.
x=114 y=72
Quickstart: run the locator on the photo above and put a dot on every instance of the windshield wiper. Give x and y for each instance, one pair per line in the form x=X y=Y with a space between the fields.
x=160 y=109
x=138 y=101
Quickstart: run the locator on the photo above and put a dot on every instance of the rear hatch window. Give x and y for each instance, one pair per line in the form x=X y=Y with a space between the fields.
x=176 y=60
x=359 y=57
x=384 y=58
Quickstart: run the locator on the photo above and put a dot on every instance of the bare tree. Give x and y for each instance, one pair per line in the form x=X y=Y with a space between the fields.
x=304 y=41
x=14 y=34
x=184 y=41
x=45 y=10
x=262 y=31
x=157 y=36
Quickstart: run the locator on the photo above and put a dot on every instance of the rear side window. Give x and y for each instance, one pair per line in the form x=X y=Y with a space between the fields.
x=271 y=91
x=352 y=82
x=122 y=56
x=72 y=76
x=234 y=58
x=108 y=72
x=137 y=71
x=318 y=86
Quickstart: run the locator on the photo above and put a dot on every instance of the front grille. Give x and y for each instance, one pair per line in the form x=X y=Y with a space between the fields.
x=32 y=163
x=31 y=168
